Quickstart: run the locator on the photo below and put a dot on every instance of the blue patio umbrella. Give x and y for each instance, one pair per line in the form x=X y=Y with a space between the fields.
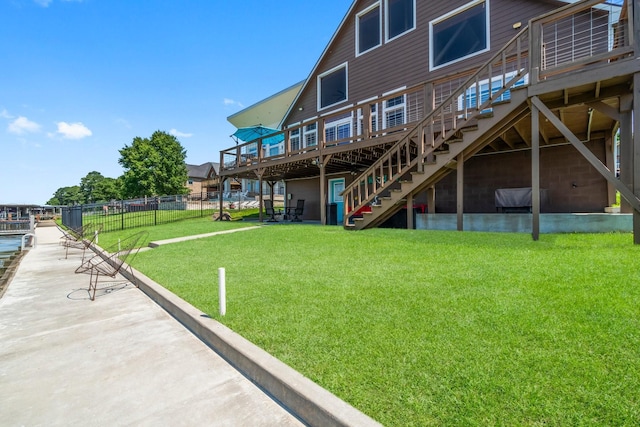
x=254 y=132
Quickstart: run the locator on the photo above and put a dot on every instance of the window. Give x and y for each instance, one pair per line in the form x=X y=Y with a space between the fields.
x=338 y=129
x=401 y=17
x=368 y=29
x=310 y=135
x=394 y=112
x=190 y=182
x=294 y=139
x=332 y=87
x=459 y=34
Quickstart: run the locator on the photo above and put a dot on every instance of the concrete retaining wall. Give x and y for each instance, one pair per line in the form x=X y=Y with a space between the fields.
x=521 y=223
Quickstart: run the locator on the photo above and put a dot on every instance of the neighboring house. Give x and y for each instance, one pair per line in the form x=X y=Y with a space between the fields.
x=436 y=104
x=203 y=179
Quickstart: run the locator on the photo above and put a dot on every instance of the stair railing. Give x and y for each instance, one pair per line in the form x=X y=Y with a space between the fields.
x=477 y=94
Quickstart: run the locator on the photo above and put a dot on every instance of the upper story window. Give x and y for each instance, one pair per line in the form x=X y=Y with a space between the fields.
x=459 y=34
x=332 y=87
x=401 y=17
x=368 y=29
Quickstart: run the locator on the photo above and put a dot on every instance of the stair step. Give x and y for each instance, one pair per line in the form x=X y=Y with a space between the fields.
x=503 y=101
x=417 y=172
x=454 y=140
x=486 y=115
x=469 y=128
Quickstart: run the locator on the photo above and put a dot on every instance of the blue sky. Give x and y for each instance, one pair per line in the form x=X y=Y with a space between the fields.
x=79 y=79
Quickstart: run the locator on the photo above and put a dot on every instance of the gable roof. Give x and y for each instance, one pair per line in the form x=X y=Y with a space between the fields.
x=269 y=112
x=335 y=35
x=202 y=171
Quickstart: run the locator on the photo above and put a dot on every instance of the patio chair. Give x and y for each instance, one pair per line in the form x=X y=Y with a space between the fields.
x=74 y=235
x=296 y=211
x=112 y=261
x=83 y=242
x=269 y=210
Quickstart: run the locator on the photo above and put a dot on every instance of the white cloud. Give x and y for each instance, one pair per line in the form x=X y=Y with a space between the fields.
x=73 y=130
x=228 y=101
x=5 y=114
x=177 y=133
x=22 y=125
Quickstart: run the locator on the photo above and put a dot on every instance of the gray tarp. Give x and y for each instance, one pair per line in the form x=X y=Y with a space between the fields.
x=518 y=197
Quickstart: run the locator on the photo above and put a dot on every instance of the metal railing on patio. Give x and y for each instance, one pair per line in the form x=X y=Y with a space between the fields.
x=141 y=212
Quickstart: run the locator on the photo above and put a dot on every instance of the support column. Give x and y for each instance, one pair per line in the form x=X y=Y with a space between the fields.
x=636 y=139
x=410 y=224
x=323 y=194
x=535 y=172
x=626 y=150
x=431 y=199
x=220 y=191
x=610 y=147
x=460 y=191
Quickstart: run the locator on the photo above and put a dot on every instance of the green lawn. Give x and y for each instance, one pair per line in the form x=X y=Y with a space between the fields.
x=422 y=328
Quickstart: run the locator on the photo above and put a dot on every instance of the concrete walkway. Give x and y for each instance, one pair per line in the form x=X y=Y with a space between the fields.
x=119 y=360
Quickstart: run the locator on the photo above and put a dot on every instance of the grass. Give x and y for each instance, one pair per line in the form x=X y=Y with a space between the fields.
x=422 y=328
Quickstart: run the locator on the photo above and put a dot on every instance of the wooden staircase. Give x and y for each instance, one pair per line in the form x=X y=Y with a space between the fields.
x=472 y=139
x=459 y=125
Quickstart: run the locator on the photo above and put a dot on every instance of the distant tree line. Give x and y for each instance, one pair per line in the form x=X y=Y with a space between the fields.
x=152 y=167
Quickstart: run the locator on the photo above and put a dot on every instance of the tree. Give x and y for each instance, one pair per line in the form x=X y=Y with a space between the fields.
x=67 y=196
x=153 y=167
x=96 y=188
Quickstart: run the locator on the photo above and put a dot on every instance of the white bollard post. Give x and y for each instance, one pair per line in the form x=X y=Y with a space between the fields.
x=95 y=233
x=222 y=291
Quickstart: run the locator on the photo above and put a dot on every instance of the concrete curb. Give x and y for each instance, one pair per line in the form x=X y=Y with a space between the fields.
x=305 y=399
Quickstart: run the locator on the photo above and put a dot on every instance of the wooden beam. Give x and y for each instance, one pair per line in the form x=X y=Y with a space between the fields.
x=410 y=224
x=591 y=158
x=605 y=109
x=460 y=191
x=535 y=172
x=522 y=134
x=636 y=141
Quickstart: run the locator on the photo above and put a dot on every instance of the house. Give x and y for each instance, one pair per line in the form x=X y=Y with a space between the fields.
x=203 y=180
x=462 y=107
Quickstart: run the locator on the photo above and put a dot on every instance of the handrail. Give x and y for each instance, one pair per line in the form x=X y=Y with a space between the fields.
x=444 y=121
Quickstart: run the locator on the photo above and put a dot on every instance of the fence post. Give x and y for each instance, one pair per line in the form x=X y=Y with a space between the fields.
x=122 y=214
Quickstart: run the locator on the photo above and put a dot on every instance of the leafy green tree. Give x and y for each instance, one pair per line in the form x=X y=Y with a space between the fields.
x=153 y=166
x=88 y=185
x=96 y=188
x=67 y=196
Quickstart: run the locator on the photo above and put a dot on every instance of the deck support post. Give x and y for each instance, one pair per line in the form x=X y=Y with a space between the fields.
x=221 y=204
x=535 y=173
x=636 y=148
x=626 y=149
x=410 y=224
x=460 y=191
x=431 y=199
x=323 y=194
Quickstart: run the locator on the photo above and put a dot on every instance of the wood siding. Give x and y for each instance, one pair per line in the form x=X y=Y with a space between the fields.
x=405 y=61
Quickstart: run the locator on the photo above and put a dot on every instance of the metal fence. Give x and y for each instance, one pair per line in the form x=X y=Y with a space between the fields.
x=142 y=212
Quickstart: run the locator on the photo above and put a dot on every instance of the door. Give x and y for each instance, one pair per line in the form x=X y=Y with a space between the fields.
x=336 y=186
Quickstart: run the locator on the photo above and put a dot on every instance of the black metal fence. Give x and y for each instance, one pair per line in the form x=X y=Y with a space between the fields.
x=143 y=212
